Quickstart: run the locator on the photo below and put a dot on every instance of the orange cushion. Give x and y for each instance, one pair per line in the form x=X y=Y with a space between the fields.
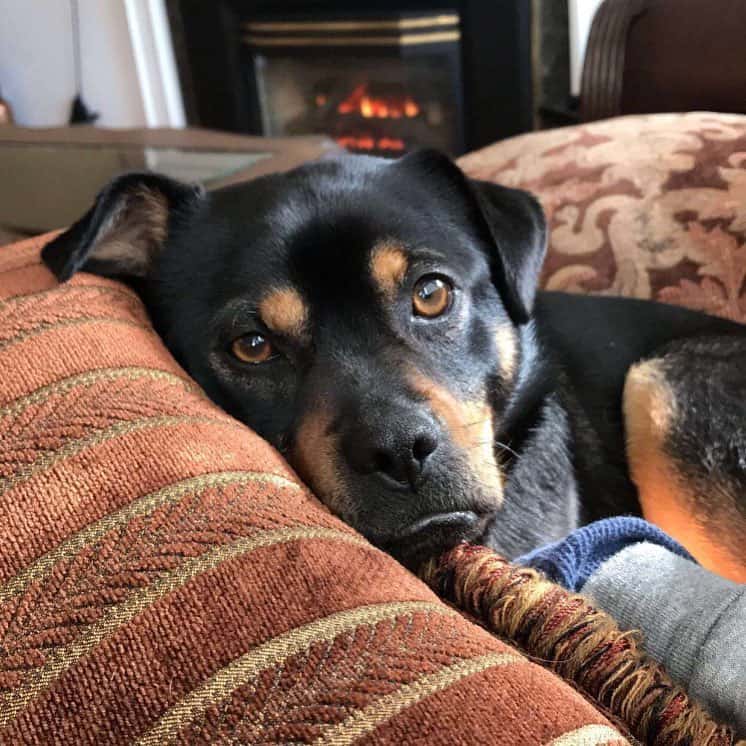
x=165 y=577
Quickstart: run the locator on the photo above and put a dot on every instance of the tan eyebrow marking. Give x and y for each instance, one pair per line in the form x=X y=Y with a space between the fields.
x=284 y=312
x=388 y=265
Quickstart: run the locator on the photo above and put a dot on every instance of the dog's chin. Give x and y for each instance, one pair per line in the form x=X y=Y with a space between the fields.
x=432 y=535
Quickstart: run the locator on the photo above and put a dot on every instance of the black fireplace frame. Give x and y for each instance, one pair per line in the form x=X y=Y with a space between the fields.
x=496 y=59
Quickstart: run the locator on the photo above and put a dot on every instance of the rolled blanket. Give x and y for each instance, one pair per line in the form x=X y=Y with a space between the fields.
x=566 y=633
x=693 y=621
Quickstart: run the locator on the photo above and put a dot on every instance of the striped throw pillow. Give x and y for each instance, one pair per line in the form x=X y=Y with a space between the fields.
x=165 y=578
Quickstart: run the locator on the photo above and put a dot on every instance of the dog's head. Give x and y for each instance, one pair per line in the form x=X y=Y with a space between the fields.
x=362 y=315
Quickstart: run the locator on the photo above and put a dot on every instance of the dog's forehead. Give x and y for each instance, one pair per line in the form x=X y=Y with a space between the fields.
x=344 y=232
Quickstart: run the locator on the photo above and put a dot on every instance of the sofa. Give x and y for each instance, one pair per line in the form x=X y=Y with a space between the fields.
x=166 y=578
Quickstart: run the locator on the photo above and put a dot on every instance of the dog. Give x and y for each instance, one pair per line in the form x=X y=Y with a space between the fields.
x=378 y=322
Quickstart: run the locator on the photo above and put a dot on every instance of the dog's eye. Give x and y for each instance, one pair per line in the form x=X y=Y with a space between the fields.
x=252 y=348
x=432 y=296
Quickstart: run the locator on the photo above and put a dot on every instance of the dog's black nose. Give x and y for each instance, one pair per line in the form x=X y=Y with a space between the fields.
x=395 y=446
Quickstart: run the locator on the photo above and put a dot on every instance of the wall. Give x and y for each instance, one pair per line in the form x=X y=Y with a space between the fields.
x=581 y=14
x=37 y=73
x=37 y=68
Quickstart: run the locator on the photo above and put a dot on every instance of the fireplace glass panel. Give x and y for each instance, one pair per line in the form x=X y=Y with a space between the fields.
x=384 y=104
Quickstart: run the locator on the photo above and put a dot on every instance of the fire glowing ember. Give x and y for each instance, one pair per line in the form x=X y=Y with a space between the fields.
x=366 y=142
x=361 y=102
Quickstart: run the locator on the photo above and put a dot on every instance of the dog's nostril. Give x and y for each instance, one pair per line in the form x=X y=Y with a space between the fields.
x=384 y=462
x=407 y=465
x=423 y=446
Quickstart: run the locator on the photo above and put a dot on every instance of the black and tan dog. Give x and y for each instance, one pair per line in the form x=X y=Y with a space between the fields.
x=378 y=322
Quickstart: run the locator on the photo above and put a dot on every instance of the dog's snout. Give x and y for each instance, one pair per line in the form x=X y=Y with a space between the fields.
x=395 y=445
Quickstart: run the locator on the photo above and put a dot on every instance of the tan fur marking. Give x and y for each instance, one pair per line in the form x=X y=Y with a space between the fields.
x=649 y=411
x=135 y=232
x=314 y=458
x=284 y=312
x=154 y=211
x=470 y=425
x=388 y=265
x=507 y=351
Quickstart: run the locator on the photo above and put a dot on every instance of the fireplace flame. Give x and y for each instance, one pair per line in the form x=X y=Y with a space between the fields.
x=366 y=142
x=377 y=107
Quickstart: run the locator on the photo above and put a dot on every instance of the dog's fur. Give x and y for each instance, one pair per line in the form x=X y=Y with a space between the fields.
x=500 y=421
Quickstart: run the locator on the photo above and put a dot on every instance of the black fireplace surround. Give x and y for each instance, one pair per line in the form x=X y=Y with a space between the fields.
x=378 y=76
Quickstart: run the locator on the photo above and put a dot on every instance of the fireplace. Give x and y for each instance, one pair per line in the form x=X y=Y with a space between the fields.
x=380 y=77
x=378 y=85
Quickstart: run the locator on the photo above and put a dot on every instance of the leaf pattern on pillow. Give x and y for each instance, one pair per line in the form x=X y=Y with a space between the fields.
x=643 y=206
x=723 y=270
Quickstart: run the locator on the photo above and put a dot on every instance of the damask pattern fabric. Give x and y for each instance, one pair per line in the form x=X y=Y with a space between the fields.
x=641 y=206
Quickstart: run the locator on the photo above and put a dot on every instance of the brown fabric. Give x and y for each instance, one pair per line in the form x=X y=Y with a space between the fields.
x=642 y=206
x=684 y=55
x=655 y=56
x=165 y=578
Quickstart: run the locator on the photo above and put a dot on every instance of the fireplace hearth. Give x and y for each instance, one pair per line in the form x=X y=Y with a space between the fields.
x=378 y=77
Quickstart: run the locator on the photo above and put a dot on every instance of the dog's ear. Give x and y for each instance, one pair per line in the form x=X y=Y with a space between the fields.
x=124 y=231
x=511 y=220
x=516 y=224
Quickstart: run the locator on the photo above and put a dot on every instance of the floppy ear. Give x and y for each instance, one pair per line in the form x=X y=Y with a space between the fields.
x=124 y=231
x=516 y=224
x=510 y=219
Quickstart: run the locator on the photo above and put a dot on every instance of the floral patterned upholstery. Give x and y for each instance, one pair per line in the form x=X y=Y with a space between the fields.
x=642 y=206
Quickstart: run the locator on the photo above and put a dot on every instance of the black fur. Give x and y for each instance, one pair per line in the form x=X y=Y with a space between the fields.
x=559 y=431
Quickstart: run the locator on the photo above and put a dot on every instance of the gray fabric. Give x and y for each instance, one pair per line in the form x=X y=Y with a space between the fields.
x=693 y=622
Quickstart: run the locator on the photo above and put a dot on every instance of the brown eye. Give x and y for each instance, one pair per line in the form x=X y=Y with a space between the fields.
x=432 y=296
x=252 y=348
